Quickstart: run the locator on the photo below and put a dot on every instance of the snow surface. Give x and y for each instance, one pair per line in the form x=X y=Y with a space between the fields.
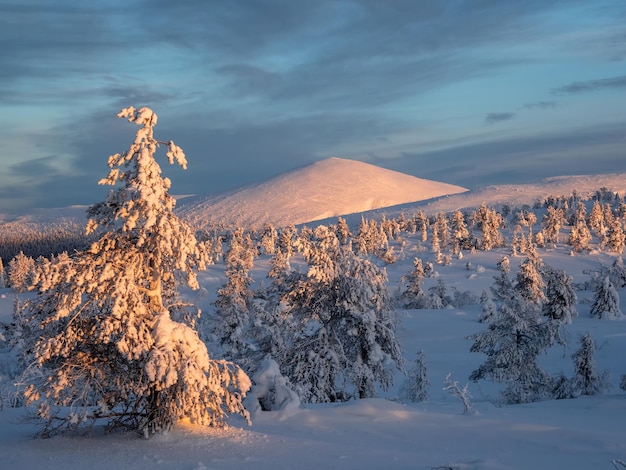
x=327 y=188
x=582 y=433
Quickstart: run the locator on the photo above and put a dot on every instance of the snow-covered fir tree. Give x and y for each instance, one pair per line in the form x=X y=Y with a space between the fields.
x=460 y=232
x=580 y=236
x=442 y=229
x=512 y=343
x=269 y=238
x=413 y=295
x=502 y=290
x=617 y=273
x=529 y=283
x=3 y=281
x=346 y=338
x=587 y=380
x=21 y=269
x=596 y=219
x=490 y=223
x=101 y=340
x=233 y=300
x=615 y=238
x=552 y=222
x=421 y=224
x=487 y=308
x=343 y=231
x=561 y=299
x=606 y=301
x=416 y=387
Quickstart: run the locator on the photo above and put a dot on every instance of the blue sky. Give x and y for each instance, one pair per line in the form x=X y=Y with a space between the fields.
x=465 y=92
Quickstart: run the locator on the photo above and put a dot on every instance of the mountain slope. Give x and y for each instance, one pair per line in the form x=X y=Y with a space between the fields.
x=324 y=189
x=515 y=195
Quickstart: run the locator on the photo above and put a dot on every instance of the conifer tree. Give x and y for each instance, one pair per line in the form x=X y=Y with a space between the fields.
x=561 y=298
x=346 y=338
x=596 y=219
x=414 y=296
x=233 y=299
x=617 y=273
x=102 y=341
x=488 y=308
x=529 y=283
x=615 y=238
x=2 y=275
x=20 y=272
x=421 y=224
x=587 y=380
x=606 y=301
x=343 y=231
x=442 y=229
x=502 y=290
x=460 y=232
x=269 y=237
x=512 y=343
x=580 y=236
x=416 y=386
x=552 y=222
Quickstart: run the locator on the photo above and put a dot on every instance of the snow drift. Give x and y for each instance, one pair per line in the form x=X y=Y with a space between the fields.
x=324 y=189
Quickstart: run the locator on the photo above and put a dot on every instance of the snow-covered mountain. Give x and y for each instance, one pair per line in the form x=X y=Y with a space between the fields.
x=515 y=195
x=324 y=189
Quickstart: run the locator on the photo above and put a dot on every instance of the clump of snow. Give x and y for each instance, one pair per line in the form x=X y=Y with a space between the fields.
x=271 y=391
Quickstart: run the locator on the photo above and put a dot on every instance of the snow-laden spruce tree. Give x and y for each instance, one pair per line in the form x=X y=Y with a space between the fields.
x=587 y=380
x=346 y=342
x=606 y=301
x=3 y=281
x=561 y=297
x=412 y=294
x=552 y=222
x=512 y=343
x=233 y=299
x=416 y=386
x=102 y=342
x=529 y=283
x=20 y=272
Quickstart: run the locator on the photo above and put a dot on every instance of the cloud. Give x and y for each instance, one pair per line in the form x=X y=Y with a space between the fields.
x=540 y=105
x=592 y=85
x=493 y=118
x=587 y=150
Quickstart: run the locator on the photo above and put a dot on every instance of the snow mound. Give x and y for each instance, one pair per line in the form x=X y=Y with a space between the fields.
x=324 y=189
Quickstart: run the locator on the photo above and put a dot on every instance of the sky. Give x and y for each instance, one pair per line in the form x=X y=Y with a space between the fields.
x=471 y=93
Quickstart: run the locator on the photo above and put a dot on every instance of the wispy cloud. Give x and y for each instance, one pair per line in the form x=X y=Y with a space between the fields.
x=592 y=85
x=540 y=105
x=493 y=118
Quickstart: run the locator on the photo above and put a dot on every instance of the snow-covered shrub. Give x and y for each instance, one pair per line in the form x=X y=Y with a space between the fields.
x=99 y=338
x=562 y=388
x=271 y=391
x=462 y=394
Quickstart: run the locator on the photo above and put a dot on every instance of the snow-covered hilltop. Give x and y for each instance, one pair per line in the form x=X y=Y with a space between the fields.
x=324 y=189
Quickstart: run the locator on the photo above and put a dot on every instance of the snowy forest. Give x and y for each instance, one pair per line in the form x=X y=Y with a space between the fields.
x=115 y=328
